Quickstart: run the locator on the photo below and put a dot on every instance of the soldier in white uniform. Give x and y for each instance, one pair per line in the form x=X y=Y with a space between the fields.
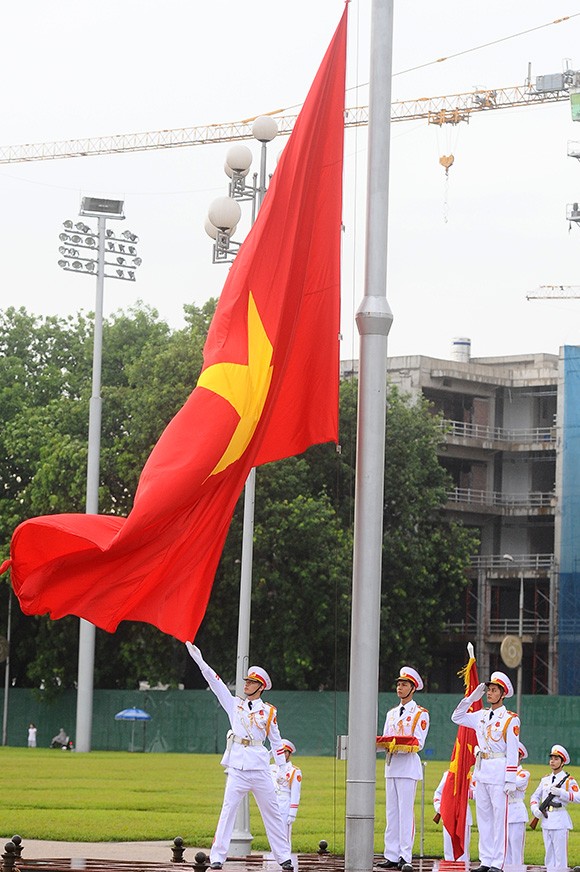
x=288 y=787
x=497 y=731
x=404 y=734
x=518 y=815
x=247 y=760
x=557 y=822
x=448 y=853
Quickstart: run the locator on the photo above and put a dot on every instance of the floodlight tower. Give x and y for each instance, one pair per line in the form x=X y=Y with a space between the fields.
x=116 y=258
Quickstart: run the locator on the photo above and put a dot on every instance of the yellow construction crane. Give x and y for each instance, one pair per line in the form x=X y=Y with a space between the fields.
x=449 y=109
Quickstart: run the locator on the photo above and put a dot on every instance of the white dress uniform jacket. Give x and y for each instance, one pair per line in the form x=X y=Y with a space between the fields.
x=558 y=816
x=413 y=722
x=497 y=738
x=288 y=790
x=555 y=827
x=517 y=820
x=517 y=811
x=251 y=726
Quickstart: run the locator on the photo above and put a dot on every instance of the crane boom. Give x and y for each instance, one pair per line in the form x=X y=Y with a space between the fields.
x=556 y=292
x=448 y=109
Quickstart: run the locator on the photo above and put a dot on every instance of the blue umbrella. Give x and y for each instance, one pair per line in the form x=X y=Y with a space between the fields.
x=134 y=714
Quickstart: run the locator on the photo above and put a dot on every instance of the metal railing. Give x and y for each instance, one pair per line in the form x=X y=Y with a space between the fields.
x=520 y=561
x=504 y=627
x=462 y=430
x=531 y=500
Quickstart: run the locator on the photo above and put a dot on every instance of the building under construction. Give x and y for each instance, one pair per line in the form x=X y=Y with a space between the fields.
x=511 y=444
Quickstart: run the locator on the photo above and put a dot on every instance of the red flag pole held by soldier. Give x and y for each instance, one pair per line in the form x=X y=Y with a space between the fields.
x=455 y=793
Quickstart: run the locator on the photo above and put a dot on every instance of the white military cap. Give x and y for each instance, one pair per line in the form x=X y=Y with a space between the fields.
x=501 y=679
x=289 y=746
x=561 y=752
x=256 y=673
x=407 y=673
x=522 y=751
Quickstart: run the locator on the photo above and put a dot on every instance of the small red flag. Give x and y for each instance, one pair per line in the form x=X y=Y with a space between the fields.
x=268 y=389
x=456 y=788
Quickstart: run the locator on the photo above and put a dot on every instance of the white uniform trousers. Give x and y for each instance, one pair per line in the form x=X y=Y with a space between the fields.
x=516 y=840
x=284 y=806
x=448 y=845
x=400 y=830
x=491 y=807
x=556 y=845
x=239 y=783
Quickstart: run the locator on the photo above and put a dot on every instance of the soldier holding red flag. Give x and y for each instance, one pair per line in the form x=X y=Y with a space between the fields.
x=497 y=758
x=404 y=734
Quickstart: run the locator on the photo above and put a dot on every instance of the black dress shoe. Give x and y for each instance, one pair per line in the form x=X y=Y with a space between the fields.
x=481 y=869
x=402 y=862
x=387 y=864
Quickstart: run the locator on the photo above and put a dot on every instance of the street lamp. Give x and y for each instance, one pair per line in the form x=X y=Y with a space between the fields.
x=518 y=655
x=222 y=220
x=102 y=254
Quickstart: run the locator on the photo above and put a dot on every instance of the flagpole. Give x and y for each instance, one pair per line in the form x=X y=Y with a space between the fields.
x=374 y=320
x=241 y=841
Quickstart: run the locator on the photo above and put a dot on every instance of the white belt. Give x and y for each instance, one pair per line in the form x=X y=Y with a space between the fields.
x=490 y=755
x=246 y=742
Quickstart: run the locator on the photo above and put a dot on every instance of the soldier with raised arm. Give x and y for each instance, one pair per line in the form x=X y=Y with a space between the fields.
x=496 y=765
x=247 y=760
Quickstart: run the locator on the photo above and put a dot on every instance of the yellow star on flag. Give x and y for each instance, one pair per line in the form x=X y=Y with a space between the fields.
x=245 y=387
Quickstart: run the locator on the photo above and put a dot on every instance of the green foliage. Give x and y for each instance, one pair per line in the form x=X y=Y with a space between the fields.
x=424 y=555
x=303 y=516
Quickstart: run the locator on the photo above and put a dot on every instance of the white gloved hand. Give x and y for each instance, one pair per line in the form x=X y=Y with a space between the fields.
x=478 y=692
x=194 y=652
x=509 y=789
x=537 y=813
x=291 y=818
x=561 y=792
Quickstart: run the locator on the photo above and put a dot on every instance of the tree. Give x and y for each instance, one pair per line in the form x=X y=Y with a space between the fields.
x=303 y=518
x=424 y=555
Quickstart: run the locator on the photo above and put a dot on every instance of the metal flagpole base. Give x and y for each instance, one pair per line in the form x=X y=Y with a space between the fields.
x=241 y=844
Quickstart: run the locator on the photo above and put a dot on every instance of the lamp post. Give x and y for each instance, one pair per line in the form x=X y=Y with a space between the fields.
x=102 y=254
x=519 y=678
x=223 y=217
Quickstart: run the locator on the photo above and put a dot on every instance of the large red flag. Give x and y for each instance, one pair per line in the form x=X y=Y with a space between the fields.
x=456 y=788
x=268 y=389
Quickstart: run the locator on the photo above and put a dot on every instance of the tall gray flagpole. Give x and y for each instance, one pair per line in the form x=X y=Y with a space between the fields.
x=374 y=320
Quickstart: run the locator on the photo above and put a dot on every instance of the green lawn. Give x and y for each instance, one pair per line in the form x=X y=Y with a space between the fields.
x=118 y=796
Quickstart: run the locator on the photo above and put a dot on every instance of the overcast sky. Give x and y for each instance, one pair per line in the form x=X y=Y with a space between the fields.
x=463 y=253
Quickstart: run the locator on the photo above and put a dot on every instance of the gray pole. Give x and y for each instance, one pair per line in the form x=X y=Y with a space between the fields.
x=86 y=664
x=241 y=842
x=374 y=320
x=7 y=671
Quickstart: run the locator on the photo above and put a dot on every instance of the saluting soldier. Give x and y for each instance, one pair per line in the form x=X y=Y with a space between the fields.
x=404 y=734
x=247 y=760
x=496 y=765
x=557 y=821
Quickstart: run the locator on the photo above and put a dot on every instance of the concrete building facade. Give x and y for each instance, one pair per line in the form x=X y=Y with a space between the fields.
x=511 y=444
